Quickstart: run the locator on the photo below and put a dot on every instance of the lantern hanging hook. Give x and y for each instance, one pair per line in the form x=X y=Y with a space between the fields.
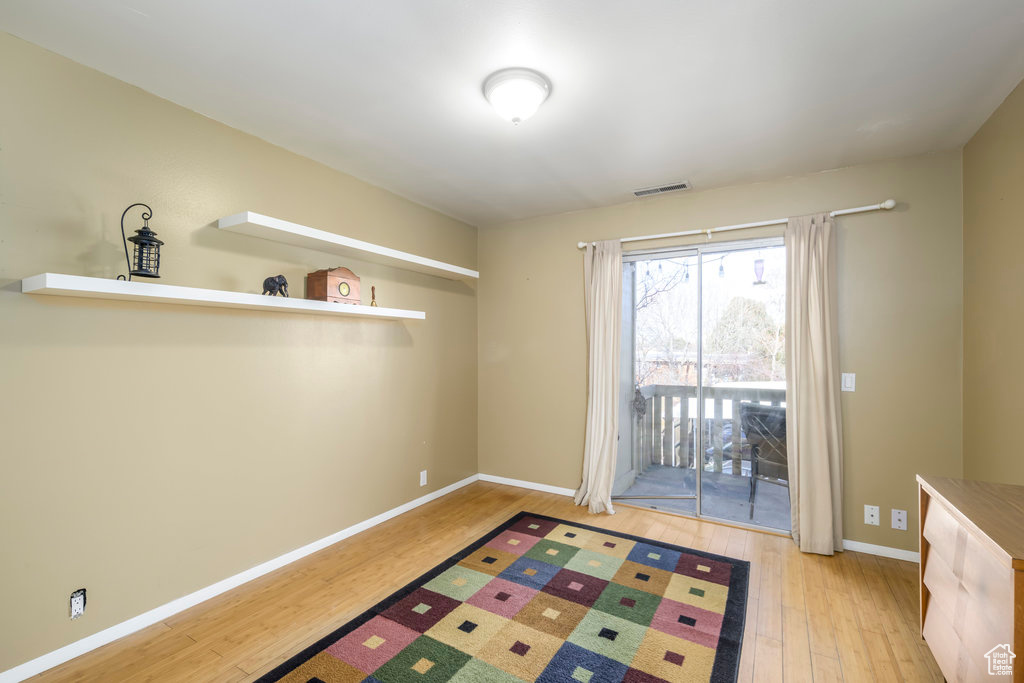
x=146 y=215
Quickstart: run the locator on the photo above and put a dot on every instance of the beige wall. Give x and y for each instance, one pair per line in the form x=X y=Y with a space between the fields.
x=252 y=433
x=994 y=294
x=900 y=295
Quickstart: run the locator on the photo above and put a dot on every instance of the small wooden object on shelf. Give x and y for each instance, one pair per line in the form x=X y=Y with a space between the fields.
x=338 y=285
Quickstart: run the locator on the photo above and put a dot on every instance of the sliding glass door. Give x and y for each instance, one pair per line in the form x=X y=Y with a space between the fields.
x=703 y=383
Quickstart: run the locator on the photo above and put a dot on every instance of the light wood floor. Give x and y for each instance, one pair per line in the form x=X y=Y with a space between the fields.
x=852 y=617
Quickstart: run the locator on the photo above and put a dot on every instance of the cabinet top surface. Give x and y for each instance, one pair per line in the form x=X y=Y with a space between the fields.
x=995 y=510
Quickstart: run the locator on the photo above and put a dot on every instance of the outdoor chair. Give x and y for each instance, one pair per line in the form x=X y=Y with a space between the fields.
x=765 y=430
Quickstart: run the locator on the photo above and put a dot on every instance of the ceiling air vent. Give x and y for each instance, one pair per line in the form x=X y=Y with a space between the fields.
x=674 y=187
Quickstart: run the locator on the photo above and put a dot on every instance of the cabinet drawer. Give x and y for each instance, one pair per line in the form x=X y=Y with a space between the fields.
x=978 y=635
x=990 y=584
x=952 y=656
x=945 y=535
x=942 y=585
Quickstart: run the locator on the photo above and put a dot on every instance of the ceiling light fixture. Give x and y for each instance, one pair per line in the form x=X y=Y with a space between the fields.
x=516 y=93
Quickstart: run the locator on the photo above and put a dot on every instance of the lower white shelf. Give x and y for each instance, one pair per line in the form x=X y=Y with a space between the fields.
x=102 y=288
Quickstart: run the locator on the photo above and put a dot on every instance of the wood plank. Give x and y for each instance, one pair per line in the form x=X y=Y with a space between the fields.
x=684 y=430
x=720 y=539
x=923 y=549
x=667 y=422
x=658 y=437
x=819 y=615
x=737 y=440
x=796 y=650
x=767 y=659
x=769 y=615
x=1018 y=617
x=864 y=606
x=853 y=653
x=749 y=645
x=737 y=542
x=792 y=576
x=883 y=663
x=716 y=435
x=826 y=669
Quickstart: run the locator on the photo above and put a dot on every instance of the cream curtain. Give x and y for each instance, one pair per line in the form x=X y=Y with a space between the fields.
x=814 y=430
x=602 y=275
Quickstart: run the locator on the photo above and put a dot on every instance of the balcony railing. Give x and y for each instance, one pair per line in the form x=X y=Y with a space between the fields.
x=666 y=433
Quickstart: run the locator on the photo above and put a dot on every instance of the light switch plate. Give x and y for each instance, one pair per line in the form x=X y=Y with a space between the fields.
x=849 y=382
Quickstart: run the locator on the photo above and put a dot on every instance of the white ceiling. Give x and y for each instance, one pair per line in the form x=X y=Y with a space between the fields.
x=644 y=92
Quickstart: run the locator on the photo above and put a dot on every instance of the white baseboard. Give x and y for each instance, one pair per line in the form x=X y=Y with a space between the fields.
x=882 y=551
x=546 y=488
x=153 y=616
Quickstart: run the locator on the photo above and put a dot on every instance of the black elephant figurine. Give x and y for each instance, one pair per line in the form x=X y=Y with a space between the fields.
x=275 y=284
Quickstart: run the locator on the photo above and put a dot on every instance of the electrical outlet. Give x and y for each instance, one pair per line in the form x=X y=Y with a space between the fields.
x=78 y=603
x=872 y=515
x=423 y=478
x=899 y=519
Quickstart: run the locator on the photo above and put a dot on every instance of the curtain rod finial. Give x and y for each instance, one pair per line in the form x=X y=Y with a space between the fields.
x=580 y=245
x=889 y=204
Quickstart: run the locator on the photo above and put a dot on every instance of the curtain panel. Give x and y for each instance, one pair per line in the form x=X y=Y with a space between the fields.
x=814 y=430
x=602 y=275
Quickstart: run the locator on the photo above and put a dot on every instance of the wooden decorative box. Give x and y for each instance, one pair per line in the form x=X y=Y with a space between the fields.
x=972 y=576
x=339 y=285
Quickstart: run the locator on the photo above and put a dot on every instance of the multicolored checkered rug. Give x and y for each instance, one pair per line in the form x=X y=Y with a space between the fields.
x=542 y=599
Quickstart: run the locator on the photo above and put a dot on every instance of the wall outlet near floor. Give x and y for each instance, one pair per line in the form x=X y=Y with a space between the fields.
x=899 y=519
x=78 y=603
x=423 y=478
x=872 y=515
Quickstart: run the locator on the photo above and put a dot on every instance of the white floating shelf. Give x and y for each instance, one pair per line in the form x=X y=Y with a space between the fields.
x=102 y=288
x=277 y=230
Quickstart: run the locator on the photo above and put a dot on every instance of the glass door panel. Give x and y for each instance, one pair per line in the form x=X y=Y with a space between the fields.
x=658 y=406
x=744 y=475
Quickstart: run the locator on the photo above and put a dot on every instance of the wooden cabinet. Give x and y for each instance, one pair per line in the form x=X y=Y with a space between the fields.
x=972 y=575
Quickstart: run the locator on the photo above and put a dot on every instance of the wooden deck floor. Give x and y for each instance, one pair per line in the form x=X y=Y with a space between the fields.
x=852 y=617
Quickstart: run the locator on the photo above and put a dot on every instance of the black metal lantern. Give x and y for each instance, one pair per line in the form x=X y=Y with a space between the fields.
x=146 y=252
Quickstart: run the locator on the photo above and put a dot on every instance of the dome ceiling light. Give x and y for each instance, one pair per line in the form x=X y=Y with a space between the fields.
x=516 y=93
